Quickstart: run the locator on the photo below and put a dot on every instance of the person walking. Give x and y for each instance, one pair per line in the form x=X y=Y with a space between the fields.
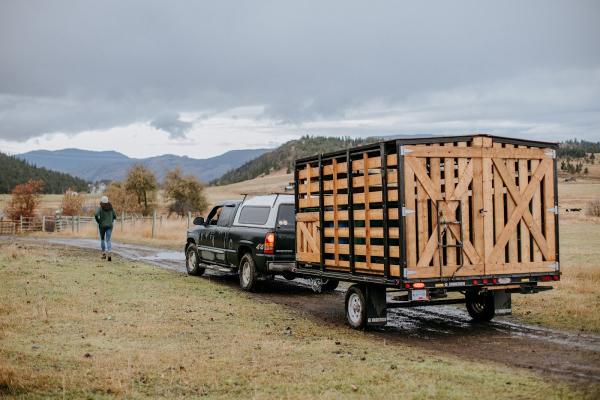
x=105 y=215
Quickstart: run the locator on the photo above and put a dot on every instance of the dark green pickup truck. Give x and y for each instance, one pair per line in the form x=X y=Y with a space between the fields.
x=253 y=237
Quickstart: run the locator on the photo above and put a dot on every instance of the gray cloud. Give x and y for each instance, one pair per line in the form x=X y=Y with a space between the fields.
x=171 y=124
x=70 y=66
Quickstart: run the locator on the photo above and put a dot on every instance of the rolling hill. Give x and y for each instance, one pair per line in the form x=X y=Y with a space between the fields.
x=14 y=171
x=282 y=158
x=111 y=165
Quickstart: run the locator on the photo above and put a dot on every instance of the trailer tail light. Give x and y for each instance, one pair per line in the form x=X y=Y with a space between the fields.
x=485 y=281
x=475 y=282
x=556 y=277
x=269 y=247
x=418 y=285
x=546 y=278
x=495 y=281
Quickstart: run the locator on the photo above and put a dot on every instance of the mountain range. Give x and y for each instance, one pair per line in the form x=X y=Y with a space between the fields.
x=96 y=166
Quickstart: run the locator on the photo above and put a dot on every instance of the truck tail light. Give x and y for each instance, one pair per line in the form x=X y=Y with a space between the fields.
x=269 y=247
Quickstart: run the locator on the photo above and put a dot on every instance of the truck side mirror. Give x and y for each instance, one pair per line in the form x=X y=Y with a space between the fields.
x=199 y=221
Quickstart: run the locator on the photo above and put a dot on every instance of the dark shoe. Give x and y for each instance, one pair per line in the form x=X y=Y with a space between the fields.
x=104 y=256
x=109 y=258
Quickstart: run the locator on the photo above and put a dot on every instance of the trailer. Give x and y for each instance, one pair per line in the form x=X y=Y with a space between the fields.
x=430 y=221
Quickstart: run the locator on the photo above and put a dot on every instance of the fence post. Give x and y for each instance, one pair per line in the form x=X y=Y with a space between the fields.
x=122 y=220
x=189 y=219
x=43 y=223
x=78 y=224
x=160 y=223
x=72 y=224
x=21 y=223
x=153 y=223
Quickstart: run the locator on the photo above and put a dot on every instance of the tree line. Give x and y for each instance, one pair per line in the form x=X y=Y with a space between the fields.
x=14 y=171
x=138 y=193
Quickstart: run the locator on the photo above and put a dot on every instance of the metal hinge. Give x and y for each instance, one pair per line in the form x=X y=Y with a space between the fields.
x=553 y=210
x=404 y=151
x=407 y=211
x=554 y=266
x=408 y=272
x=551 y=153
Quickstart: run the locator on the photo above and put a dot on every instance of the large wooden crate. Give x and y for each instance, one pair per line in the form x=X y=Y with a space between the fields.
x=430 y=208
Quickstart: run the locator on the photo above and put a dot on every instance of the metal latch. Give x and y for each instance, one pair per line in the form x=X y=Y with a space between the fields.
x=555 y=266
x=553 y=210
x=409 y=272
x=551 y=153
x=407 y=211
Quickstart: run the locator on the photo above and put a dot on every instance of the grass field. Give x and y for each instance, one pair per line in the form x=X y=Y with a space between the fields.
x=72 y=327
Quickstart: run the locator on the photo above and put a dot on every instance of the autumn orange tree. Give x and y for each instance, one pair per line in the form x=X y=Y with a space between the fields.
x=24 y=200
x=72 y=203
x=122 y=199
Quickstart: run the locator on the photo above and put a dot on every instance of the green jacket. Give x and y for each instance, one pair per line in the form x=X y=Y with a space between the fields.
x=105 y=218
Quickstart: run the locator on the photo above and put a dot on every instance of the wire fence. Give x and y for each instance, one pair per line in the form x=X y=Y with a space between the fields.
x=77 y=224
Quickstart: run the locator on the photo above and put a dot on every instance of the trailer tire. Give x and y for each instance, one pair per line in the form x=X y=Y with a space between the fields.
x=192 y=261
x=248 y=275
x=356 y=307
x=480 y=306
x=329 y=285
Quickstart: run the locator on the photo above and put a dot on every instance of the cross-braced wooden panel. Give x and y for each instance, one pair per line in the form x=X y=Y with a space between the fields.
x=506 y=200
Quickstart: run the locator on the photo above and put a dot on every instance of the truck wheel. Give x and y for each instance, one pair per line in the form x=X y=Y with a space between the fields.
x=192 y=262
x=480 y=306
x=356 y=307
x=329 y=285
x=247 y=271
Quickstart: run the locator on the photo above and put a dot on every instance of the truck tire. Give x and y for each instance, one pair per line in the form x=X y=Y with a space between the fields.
x=480 y=306
x=247 y=271
x=329 y=285
x=192 y=261
x=356 y=307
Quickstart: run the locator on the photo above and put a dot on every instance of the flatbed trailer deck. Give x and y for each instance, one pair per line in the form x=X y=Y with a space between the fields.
x=427 y=216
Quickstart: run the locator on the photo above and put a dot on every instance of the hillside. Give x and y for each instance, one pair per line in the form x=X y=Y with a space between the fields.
x=14 y=171
x=283 y=157
x=111 y=165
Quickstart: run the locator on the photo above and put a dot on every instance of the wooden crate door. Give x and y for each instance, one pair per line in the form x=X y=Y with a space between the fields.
x=507 y=208
x=444 y=176
x=307 y=237
x=523 y=238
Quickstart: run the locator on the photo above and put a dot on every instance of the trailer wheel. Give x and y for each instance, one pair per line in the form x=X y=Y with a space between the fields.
x=356 y=307
x=247 y=271
x=192 y=262
x=480 y=306
x=329 y=285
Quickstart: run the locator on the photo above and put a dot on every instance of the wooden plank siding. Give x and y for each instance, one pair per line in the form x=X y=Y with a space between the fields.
x=503 y=192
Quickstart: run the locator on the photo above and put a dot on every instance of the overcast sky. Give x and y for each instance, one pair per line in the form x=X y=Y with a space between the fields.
x=200 y=78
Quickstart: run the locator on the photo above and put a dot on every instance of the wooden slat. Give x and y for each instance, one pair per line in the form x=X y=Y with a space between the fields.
x=363 y=250
x=359 y=215
x=549 y=203
x=513 y=251
x=523 y=180
x=307 y=217
x=410 y=219
x=361 y=267
x=435 y=173
x=488 y=202
x=458 y=152
x=536 y=208
x=498 y=203
x=422 y=217
x=360 y=232
x=477 y=200
x=464 y=199
x=449 y=182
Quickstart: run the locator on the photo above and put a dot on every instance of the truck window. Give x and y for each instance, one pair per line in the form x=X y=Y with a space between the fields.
x=213 y=217
x=286 y=219
x=226 y=216
x=254 y=215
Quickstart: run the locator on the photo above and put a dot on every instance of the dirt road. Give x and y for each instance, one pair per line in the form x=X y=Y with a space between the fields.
x=443 y=329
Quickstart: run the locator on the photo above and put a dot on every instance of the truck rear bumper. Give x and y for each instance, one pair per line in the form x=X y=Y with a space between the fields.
x=280 y=266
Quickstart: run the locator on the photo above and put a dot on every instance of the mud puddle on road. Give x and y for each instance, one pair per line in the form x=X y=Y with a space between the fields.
x=445 y=329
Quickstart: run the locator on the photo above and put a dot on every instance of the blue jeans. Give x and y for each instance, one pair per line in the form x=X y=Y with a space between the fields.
x=105 y=243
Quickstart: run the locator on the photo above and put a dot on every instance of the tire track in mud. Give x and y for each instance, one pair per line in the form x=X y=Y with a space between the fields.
x=447 y=329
